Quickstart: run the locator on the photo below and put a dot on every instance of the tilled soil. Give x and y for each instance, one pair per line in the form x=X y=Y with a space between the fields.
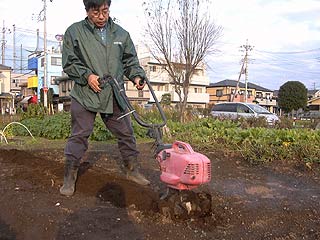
x=279 y=201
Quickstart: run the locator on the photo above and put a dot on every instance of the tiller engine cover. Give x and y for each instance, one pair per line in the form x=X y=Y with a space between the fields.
x=182 y=168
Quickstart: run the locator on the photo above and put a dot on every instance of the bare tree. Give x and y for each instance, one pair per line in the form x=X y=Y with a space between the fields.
x=182 y=35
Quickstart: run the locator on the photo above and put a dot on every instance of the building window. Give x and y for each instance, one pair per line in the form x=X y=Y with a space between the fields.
x=259 y=95
x=56 y=61
x=219 y=93
x=140 y=93
x=198 y=72
x=166 y=88
x=198 y=90
x=153 y=68
x=243 y=109
x=159 y=88
x=42 y=62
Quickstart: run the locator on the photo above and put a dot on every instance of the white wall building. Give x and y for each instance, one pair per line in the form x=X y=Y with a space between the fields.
x=54 y=70
x=162 y=84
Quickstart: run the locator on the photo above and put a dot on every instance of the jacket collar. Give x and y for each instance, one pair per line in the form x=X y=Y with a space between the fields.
x=110 y=25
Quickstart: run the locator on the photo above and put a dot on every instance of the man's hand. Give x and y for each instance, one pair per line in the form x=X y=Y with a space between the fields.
x=137 y=82
x=94 y=83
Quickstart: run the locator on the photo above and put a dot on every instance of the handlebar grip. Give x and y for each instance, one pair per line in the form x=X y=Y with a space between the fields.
x=182 y=147
x=141 y=82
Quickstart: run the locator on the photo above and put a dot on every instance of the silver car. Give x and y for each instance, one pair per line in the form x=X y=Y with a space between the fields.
x=235 y=110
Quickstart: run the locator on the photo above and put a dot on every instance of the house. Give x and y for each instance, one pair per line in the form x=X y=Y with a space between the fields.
x=264 y=97
x=54 y=70
x=5 y=78
x=18 y=80
x=313 y=94
x=225 y=91
x=314 y=104
x=6 y=98
x=162 y=83
x=314 y=100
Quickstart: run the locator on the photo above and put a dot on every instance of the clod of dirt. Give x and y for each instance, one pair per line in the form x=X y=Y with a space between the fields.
x=178 y=205
x=183 y=205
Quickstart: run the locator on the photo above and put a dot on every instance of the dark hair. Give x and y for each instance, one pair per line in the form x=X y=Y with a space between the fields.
x=88 y=4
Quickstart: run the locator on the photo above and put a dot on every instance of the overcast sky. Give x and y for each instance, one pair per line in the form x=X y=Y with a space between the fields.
x=284 y=34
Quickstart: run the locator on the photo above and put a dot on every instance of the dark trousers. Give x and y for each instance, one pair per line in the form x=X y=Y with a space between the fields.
x=82 y=122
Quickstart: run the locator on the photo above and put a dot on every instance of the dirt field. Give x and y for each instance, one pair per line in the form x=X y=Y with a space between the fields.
x=278 y=201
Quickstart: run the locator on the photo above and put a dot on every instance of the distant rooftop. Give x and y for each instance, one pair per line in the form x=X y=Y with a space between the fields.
x=233 y=83
x=4 y=67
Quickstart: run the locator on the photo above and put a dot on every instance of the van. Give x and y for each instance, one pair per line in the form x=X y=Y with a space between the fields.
x=235 y=110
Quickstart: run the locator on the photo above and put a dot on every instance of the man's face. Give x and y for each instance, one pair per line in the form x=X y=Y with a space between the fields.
x=99 y=16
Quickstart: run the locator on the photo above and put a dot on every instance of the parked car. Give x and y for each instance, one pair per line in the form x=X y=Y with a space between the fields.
x=235 y=110
x=310 y=115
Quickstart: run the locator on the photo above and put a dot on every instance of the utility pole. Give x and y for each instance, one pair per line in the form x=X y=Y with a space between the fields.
x=37 y=47
x=45 y=68
x=247 y=48
x=237 y=86
x=4 y=41
x=14 y=48
x=45 y=87
x=3 y=44
x=20 y=58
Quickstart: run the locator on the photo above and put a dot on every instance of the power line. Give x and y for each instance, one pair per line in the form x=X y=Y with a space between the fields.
x=23 y=74
x=292 y=52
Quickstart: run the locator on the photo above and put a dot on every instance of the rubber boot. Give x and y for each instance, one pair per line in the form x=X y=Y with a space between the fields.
x=131 y=169
x=69 y=179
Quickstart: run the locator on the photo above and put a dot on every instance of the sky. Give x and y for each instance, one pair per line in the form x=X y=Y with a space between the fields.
x=284 y=34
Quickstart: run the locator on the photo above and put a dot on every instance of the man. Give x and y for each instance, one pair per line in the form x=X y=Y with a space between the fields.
x=93 y=47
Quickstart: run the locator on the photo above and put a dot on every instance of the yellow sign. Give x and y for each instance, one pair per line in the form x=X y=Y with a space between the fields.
x=33 y=82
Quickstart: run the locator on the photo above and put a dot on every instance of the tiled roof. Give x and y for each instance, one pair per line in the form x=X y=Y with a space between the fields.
x=226 y=82
x=233 y=83
x=257 y=87
x=3 y=67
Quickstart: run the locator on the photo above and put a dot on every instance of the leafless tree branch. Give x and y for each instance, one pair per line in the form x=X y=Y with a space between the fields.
x=182 y=35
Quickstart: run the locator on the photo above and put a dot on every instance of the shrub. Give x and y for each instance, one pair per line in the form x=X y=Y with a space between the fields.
x=257 y=144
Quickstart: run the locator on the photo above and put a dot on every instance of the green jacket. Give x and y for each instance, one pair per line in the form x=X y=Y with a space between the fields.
x=85 y=53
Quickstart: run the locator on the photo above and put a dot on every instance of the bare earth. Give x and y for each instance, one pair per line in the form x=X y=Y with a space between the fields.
x=279 y=201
